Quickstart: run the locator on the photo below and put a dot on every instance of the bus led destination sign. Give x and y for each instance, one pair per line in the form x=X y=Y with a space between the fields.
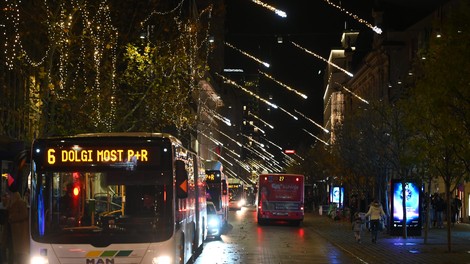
x=81 y=155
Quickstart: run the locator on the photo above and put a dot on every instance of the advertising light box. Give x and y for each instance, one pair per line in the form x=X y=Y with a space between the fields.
x=412 y=207
x=337 y=195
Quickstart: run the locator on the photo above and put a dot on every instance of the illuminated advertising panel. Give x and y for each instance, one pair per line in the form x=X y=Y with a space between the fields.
x=337 y=195
x=412 y=203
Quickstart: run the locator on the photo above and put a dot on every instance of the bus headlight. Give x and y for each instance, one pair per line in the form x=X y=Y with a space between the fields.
x=161 y=260
x=241 y=203
x=39 y=260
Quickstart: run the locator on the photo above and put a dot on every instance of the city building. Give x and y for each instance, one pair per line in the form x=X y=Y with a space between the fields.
x=378 y=67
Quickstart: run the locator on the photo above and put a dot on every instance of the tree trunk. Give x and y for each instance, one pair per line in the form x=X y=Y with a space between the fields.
x=403 y=203
x=449 y=230
x=428 y=210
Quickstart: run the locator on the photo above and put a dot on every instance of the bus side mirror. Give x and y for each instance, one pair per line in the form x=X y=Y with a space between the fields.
x=182 y=184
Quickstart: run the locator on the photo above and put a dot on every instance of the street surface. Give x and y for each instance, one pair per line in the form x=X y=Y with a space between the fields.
x=319 y=239
x=243 y=241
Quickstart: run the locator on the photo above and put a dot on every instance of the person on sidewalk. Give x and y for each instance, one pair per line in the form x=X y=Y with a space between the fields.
x=18 y=218
x=455 y=209
x=440 y=208
x=376 y=214
x=357 y=226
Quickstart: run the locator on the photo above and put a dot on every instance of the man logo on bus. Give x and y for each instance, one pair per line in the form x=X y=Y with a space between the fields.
x=100 y=261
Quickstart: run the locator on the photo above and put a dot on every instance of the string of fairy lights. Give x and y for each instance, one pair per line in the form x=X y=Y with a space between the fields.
x=261 y=120
x=270 y=164
x=248 y=55
x=321 y=58
x=283 y=14
x=233 y=83
x=12 y=44
x=354 y=94
x=357 y=18
x=317 y=138
x=98 y=43
x=289 y=88
x=283 y=85
x=313 y=122
x=272 y=8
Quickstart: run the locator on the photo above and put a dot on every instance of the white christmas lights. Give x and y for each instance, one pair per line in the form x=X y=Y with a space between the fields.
x=319 y=139
x=275 y=10
x=248 y=55
x=360 y=20
x=351 y=92
x=227 y=80
x=283 y=85
x=313 y=122
x=264 y=122
x=287 y=112
x=321 y=58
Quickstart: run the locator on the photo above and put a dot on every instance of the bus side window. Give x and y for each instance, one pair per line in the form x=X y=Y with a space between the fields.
x=182 y=184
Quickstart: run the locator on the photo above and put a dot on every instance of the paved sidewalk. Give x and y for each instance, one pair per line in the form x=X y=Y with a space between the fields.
x=391 y=249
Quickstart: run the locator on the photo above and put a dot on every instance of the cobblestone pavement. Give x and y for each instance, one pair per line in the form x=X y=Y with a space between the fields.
x=392 y=249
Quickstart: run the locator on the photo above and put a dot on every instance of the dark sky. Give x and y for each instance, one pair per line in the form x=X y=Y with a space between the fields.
x=315 y=25
x=312 y=24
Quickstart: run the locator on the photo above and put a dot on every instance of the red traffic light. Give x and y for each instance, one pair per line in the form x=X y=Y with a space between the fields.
x=289 y=151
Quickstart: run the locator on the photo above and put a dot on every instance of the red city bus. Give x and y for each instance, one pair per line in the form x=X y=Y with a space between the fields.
x=280 y=197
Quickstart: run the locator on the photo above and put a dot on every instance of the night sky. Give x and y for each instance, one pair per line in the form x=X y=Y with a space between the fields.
x=316 y=26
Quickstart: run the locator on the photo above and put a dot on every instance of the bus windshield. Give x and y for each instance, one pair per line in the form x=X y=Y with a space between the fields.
x=103 y=207
x=235 y=192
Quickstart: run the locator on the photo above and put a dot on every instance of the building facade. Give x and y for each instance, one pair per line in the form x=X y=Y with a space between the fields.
x=382 y=73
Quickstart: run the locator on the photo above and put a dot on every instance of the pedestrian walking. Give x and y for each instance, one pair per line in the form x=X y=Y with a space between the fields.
x=357 y=227
x=455 y=210
x=18 y=218
x=440 y=207
x=353 y=206
x=376 y=214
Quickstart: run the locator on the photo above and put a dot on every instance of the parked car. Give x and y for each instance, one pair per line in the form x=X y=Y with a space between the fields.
x=214 y=222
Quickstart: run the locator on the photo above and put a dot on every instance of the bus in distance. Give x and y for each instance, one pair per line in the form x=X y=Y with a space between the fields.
x=280 y=197
x=116 y=198
x=217 y=188
x=237 y=197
